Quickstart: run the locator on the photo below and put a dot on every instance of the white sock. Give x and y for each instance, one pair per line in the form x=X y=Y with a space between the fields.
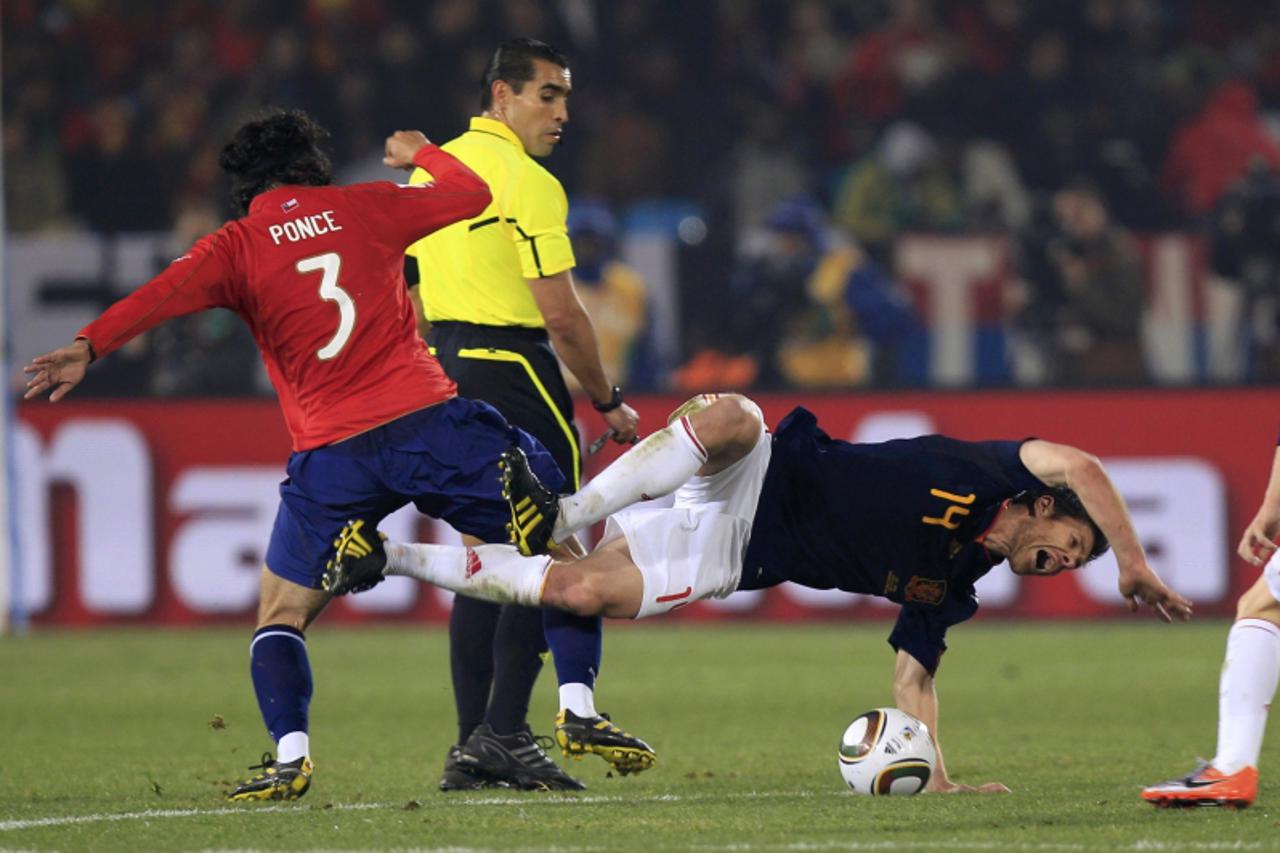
x=497 y=573
x=578 y=698
x=655 y=467
x=291 y=747
x=1249 y=674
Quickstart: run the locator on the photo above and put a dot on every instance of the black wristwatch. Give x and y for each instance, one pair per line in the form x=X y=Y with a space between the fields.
x=615 y=400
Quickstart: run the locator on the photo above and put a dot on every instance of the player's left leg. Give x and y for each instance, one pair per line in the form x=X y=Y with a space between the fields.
x=1250 y=672
x=282 y=682
x=605 y=583
x=717 y=431
x=323 y=485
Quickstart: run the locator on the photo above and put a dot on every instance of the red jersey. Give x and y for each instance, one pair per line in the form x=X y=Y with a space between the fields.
x=317 y=274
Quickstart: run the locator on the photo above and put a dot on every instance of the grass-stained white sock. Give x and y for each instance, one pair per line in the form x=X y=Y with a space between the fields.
x=655 y=467
x=497 y=573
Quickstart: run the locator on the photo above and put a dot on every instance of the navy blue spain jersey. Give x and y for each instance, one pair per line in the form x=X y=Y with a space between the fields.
x=897 y=519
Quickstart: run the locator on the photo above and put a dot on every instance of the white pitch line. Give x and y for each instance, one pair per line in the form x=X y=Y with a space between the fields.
x=528 y=799
x=1140 y=845
x=68 y=820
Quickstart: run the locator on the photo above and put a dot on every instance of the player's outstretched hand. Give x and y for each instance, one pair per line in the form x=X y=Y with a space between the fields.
x=1145 y=587
x=401 y=146
x=1258 y=542
x=57 y=372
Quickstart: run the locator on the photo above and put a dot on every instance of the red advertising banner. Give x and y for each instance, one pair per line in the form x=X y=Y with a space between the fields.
x=159 y=512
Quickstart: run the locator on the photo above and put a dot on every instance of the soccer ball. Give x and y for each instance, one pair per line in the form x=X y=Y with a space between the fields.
x=887 y=751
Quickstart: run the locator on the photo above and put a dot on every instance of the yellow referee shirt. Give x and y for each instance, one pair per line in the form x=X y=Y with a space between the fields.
x=475 y=270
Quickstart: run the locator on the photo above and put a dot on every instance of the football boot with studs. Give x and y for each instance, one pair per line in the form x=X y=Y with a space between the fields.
x=277 y=781
x=1206 y=786
x=579 y=736
x=358 y=560
x=534 y=507
x=455 y=778
x=519 y=760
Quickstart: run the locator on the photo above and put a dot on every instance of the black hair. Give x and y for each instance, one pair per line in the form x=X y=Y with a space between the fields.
x=1066 y=503
x=277 y=146
x=512 y=63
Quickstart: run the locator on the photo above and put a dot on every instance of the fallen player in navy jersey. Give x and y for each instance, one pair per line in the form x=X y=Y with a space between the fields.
x=917 y=521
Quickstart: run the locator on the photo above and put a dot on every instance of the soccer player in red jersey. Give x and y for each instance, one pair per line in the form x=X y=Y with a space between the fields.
x=316 y=273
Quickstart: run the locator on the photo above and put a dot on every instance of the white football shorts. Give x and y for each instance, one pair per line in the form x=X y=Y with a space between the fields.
x=694 y=548
x=1272 y=573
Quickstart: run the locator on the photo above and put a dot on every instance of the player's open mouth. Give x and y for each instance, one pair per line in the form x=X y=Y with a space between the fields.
x=1042 y=559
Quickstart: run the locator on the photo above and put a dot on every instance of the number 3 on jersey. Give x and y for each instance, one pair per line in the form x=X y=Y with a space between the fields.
x=329 y=265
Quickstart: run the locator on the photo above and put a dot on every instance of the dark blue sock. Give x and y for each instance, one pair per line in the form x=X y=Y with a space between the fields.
x=281 y=678
x=576 y=643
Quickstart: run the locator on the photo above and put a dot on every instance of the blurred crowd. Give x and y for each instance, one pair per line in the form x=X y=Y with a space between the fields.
x=810 y=133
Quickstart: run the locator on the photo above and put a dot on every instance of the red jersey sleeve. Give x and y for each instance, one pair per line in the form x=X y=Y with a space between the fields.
x=401 y=215
x=198 y=280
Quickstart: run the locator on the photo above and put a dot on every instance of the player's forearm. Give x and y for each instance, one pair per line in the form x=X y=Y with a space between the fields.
x=574 y=339
x=1087 y=478
x=456 y=192
x=915 y=693
x=183 y=288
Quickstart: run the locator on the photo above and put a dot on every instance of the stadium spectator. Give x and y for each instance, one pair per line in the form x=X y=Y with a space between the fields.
x=776 y=94
x=211 y=353
x=1087 y=294
x=895 y=68
x=813 y=311
x=611 y=290
x=928 y=518
x=1244 y=286
x=905 y=185
x=499 y=296
x=1215 y=147
x=765 y=166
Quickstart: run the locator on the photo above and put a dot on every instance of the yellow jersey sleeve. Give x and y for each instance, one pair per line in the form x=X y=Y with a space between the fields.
x=539 y=210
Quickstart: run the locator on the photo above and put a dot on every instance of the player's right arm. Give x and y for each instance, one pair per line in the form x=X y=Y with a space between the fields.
x=915 y=693
x=198 y=280
x=1258 y=542
x=1063 y=465
x=454 y=193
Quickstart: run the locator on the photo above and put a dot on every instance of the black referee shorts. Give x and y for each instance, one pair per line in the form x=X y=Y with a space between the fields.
x=513 y=369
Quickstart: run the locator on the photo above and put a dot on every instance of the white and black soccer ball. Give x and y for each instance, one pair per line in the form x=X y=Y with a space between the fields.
x=887 y=751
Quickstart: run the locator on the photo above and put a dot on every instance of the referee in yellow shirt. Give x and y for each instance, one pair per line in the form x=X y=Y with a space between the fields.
x=496 y=295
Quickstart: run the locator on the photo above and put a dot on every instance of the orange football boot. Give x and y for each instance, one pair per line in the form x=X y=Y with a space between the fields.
x=1207 y=786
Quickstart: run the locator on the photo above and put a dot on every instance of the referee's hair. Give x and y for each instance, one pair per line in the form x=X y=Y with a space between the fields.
x=277 y=146
x=512 y=63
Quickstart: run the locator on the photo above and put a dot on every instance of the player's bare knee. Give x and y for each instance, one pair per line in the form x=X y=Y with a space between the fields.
x=571 y=590
x=728 y=428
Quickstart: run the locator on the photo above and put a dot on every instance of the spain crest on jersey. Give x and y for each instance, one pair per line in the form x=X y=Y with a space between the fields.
x=925 y=590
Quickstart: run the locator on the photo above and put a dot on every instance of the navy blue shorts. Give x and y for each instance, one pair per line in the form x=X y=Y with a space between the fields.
x=443 y=459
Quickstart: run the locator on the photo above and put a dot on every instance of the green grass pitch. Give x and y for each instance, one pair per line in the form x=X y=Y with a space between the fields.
x=106 y=743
